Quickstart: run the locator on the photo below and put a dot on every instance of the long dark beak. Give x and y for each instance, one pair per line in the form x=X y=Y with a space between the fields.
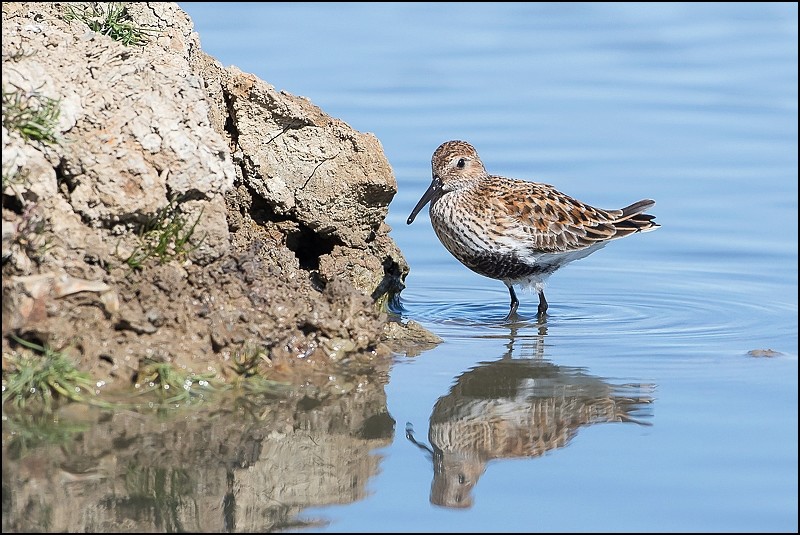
x=432 y=190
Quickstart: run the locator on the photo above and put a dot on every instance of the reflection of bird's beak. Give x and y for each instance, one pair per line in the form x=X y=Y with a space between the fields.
x=432 y=190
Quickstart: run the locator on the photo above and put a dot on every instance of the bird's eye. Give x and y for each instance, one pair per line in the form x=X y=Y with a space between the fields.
x=461 y=163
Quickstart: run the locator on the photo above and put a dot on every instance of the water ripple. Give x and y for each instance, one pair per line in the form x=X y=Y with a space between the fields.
x=680 y=316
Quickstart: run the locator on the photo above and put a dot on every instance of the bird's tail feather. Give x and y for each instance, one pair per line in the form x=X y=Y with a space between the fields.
x=633 y=220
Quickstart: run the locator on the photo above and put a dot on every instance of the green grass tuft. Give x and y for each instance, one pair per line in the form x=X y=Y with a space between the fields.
x=43 y=376
x=165 y=236
x=32 y=236
x=111 y=19
x=31 y=114
x=173 y=386
x=246 y=362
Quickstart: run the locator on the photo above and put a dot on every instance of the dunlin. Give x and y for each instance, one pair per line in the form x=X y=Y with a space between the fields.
x=516 y=231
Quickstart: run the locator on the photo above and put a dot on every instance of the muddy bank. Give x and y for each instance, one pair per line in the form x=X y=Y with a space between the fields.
x=159 y=208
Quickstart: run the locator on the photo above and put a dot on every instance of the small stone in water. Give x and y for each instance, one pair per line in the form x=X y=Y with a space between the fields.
x=763 y=353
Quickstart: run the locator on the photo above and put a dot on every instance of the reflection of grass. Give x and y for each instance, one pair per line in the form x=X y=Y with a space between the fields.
x=157 y=482
x=165 y=236
x=42 y=377
x=111 y=19
x=33 y=115
x=157 y=494
x=24 y=432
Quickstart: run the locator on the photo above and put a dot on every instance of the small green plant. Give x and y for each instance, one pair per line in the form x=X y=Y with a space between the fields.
x=165 y=236
x=111 y=19
x=44 y=375
x=246 y=359
x=17 y=177
x=245 y=363
x=32 y=233
x=171 y=385
x=32 y=114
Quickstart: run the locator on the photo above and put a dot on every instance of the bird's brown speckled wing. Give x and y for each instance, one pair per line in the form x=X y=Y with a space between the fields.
x=550 y=221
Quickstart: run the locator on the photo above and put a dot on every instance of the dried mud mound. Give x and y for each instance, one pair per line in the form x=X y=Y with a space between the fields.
x=159 y=207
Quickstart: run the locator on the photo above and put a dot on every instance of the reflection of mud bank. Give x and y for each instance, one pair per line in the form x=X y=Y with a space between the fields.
x=252 y=466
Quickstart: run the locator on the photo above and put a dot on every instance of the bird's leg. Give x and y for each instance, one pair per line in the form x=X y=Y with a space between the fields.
x=514 y=303
x=542 y=303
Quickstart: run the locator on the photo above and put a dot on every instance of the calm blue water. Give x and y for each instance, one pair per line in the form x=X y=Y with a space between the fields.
x=650 y=414
x=692 y=105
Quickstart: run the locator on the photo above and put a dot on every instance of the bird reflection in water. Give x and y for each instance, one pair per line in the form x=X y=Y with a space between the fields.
x=517 y=408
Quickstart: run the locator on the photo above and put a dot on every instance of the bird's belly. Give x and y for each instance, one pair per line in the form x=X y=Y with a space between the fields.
x=487 y=256
x=501 y=256
x=505 y=266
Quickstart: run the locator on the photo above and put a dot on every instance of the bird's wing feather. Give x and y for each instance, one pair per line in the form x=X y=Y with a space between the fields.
x=551 y=221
